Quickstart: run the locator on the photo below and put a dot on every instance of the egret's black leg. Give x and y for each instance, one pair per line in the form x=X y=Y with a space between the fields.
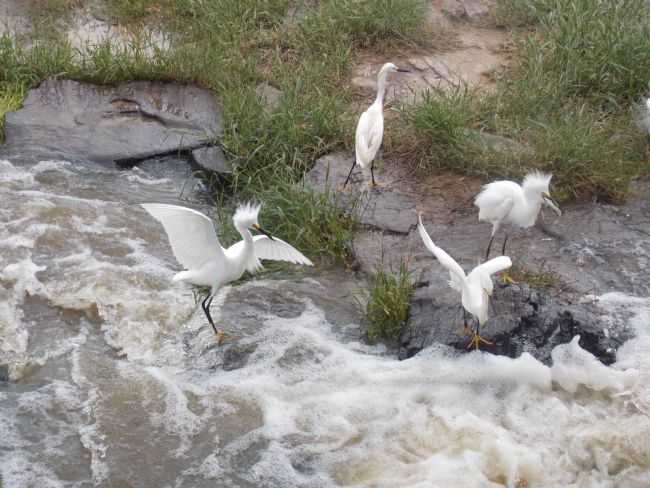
x=487 y=253
x=372 y=172
x=465 y=326
x=503 y=249
x=349 y=174
x=205 y=305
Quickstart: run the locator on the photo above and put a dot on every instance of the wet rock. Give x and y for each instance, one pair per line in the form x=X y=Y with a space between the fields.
x=129 y=122
x=591 y=250
x=522 y=320
x=4 y=372
x=212 y=159
x=236 y=356
x=383 y=208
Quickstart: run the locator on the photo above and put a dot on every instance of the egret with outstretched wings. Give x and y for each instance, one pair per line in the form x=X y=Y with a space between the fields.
x=195 y=245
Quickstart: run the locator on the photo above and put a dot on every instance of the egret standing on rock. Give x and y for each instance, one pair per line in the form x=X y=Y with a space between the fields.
x=475 y=288
x=506 y=202
x=370 y=128
x=195 y=245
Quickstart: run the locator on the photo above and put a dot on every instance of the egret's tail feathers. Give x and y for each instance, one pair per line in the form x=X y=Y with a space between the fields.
x=182 y=276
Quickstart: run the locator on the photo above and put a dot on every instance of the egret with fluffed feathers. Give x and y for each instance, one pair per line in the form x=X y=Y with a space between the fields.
x=195 y=245
x=507 y=202
x=370 y=128
x=474 y=288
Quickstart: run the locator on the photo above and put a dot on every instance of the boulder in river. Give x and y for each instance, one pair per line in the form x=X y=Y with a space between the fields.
x=124 y=123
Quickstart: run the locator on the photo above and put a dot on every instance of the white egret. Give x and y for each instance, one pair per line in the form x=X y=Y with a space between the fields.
x=370 y=128
x=507 y=202
x=475 y=288
x=195 y=245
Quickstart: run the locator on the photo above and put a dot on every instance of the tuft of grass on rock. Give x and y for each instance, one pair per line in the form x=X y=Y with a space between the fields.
x=539 y=280
x=388 y=308
x=11 y=98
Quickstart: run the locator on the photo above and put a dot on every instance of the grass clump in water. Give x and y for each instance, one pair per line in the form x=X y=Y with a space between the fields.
x=388 y=307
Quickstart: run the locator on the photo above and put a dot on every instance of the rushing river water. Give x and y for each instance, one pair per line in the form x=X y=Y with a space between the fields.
x=116 y=380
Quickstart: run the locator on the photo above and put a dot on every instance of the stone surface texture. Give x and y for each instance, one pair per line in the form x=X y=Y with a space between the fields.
x=132 y=121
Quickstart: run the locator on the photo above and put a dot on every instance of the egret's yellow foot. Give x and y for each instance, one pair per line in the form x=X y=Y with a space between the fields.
x=506 y=279
x=477 y=340
x=223 y=337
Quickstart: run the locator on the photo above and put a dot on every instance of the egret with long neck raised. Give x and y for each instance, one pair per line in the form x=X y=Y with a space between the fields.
x=195 y=245
x=370 y=128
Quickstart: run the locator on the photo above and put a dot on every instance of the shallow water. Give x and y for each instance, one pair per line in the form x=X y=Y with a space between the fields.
x=116 y=380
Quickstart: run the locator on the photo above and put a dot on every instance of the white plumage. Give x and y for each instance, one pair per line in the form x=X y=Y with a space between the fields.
x=506 y=202
x=370 y=128
x=196 y=246
x=474 y=288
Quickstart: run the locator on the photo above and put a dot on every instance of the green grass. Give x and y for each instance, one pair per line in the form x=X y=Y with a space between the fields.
x=388 y=307
x=436 y=131
x=566 y=105
x=11 y=98
x=230 y=46
x=538 y=280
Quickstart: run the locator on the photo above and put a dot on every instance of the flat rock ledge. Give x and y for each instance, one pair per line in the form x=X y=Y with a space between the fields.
x=382 y=208
x=125 y=123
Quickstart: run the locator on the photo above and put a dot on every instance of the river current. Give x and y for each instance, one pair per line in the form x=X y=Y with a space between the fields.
x=115 y=380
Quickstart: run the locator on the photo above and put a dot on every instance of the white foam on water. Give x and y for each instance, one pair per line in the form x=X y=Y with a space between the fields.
x=10 y=174
x=138 y=176
x=310 y=408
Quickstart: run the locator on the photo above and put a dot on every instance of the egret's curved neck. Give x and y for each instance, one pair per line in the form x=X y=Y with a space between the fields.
x=381 y=87
x=533 y=197
x=245 y=233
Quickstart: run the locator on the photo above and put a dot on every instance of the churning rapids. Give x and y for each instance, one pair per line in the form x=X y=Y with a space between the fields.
x=115 y=379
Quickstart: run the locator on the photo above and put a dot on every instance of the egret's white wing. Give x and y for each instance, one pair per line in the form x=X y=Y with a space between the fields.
x=191 y=234
x=456 y=273
x=494 y=265
x=278 y=250
x=369 y=135
x=265 y=248
x=487 y=269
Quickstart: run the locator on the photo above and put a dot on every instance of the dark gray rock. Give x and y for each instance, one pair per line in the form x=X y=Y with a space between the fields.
x=383 y=207
x=212 y=159
x=4 y=372
x=591 y=250
x=129 y=122
x=522 y=320
x=236 y=356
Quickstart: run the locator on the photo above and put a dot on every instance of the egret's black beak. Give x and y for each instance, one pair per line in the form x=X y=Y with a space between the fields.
x=551 y=203
x=259 y=229
x=400 y=70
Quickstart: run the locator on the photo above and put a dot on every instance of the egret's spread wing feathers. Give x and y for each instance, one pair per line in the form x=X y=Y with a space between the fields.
x=494 y=265
x=456 y=273
x=487 y=269
x=191 y=234
x=265 y=248
x=278 y=250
